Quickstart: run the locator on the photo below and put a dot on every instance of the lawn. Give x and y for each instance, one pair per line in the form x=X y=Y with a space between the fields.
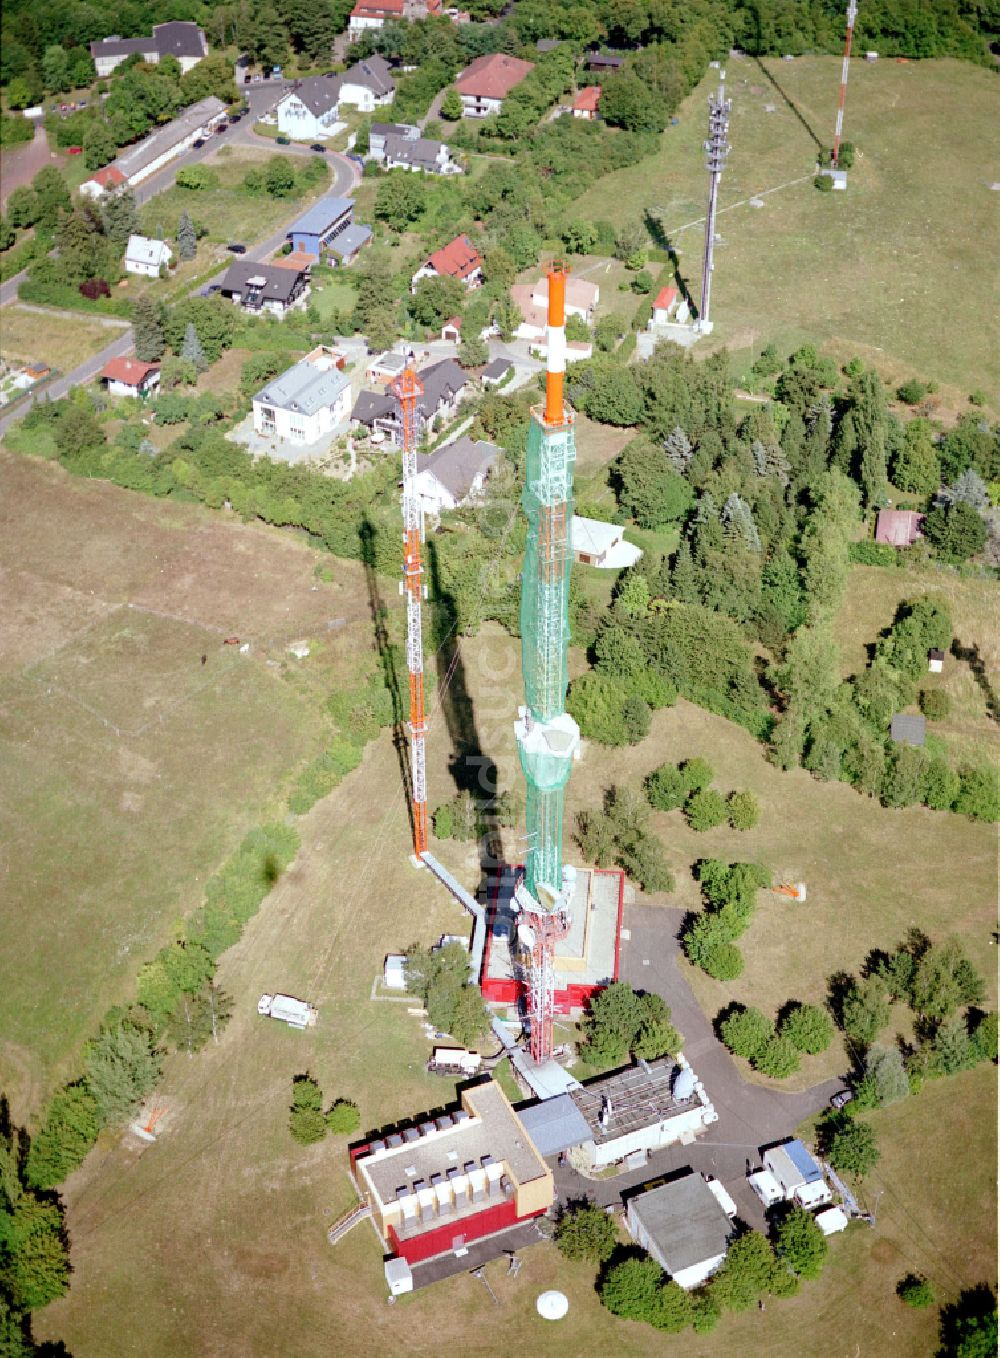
x=132 y=767
x=225 y=1163
x=871 y=271
x=228 y=212
x=869 y=608
x=50 y=337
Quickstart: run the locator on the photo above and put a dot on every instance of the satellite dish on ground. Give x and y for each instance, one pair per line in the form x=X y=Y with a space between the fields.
x=552 y=1305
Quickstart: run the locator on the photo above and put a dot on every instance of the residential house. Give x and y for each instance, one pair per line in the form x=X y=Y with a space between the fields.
x=604 y=61
x=368 y=14
x=797 y=1173
x=602 y=544
x=420 y=153
x=683 y=1226
x=147 y=257
x=486 y=82
x=273 y=288
x=174 y=138
x=309 y=111
x=386 y=367
x=313 y=232
x=494 y=373
x=898 y=527
x=102 y=181
x=586 y=102
x=906 y=729
x=179 y=39
x=368 y=84
x=445 y=386
x=458 y=259
x=129 y=377
x=378 y=132
x=435 y=1187
x=308 y=401
x=669 y=308
x=454 y=474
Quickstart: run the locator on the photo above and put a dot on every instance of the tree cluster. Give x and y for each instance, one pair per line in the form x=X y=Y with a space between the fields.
x=729 y=891
x=34 y=1247
x=306 y=1120
x=688 y=785
x=440 y=976
x=619 y=1022
x=775 y=1049
x=619 y=833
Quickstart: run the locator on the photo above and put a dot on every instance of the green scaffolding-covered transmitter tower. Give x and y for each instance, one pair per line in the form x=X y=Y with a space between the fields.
x=548 y=738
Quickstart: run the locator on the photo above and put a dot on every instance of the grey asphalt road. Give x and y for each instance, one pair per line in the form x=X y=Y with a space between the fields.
x=750 y=1116
x=345 y=178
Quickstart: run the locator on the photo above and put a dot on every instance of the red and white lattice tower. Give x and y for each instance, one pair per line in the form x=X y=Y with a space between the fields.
x=540 y=926
x=408 y=389
x=852 y=14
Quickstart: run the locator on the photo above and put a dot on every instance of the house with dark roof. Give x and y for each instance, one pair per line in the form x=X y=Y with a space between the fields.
x=273 y=288
x=368 y=84
x=455 y=474
x=486 y=82
x=445 y=386
x=683 y=1226
x=179 y=39
x=495 y=372
x=378 y=132
x=458 y=259
x=310 y=108
x=604 y=61
x=418 y=153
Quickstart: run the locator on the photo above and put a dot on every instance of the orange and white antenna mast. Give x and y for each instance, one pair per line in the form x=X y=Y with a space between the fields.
x=408 y=389
x=852 y=14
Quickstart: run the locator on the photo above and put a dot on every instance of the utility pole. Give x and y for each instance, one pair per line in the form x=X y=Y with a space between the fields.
x=852 y=14
x=717 y=148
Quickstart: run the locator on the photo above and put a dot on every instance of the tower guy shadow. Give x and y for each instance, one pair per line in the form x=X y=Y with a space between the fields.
x=472 y=770
x=791 y=104
x=390 y=661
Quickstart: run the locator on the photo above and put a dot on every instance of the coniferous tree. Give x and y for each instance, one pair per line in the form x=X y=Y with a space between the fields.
x=187 y=238
x=147 y=326
x=678 y=449
x=191 y=349
x=119 y=215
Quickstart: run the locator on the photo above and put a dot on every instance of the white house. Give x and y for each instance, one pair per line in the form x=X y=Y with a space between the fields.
x=454 y=474
x=458 y=259
x=130 y=377
x=369 y=14
x=683 y=1226
x=179 y=39
x=146 y=257
x=486 y=82
x=418 y=153
x=800 y=1178
x=368 y=85
x=102 y=181
x=307 y=402
x=602 y=544
x=308 y=112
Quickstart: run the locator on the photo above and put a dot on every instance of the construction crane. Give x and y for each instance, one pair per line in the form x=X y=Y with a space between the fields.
x=408 y=389
x=547 y=737
x=852 y=14
x=717 y=150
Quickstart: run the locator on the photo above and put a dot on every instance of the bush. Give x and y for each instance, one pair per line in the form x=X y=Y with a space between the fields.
x=706 y=809
x=934 y=703
x=911 y=392
x=723 y=962
x=630 y=1288
x=196 y=178
x=824 y=183
x=853 y=1149
x=874 y=554
x=343 y=1118
x=978 y=795
x=746 y=1033
x=586 y=1233
x=666 y=788
x=808 y=1028
x=801 y=1243
x=306 y=1121
x=744 y=811
x=915 y=1290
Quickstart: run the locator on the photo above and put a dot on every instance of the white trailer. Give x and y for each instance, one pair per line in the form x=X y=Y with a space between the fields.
x=296 y=1013
x=454 y=1061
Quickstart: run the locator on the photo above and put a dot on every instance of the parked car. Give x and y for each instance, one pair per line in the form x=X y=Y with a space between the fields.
x=317 y=147
x=198 y=143
x=235 y=117
x=213 y=288
x=358 y=160
x=843 y=1097
x=282 y=141
x=237 y=249
x=74 y=151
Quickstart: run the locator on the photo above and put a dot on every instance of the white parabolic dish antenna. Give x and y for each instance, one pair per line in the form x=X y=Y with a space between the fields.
x=552 y=1305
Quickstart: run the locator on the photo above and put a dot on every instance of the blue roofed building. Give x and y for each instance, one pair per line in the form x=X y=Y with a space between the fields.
x=797 y=1173
x=323 y=228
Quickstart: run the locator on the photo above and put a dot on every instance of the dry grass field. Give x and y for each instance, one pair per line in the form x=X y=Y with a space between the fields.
x=885 y=270
x=227 y=1188
x=132 y=769
x=54 y=338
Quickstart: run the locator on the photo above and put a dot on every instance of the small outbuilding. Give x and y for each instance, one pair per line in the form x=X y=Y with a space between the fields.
x=495 y=372
x=832 y=1220
x=799 y=1175
x=683 y=1227
x=602 y=544
x=898 y=527
x=394 y=972
x=766 y=1187
x=908 y=730
x=935 y=661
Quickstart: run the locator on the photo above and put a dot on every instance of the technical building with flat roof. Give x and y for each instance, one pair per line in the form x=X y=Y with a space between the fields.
x=439 y=1184
x=683 y=1226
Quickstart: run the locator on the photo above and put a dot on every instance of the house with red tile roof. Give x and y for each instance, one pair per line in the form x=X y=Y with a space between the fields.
x=102 y=181
x=898 y=527
x=458 y=259
x=486 y=82
x=586 y=101
x=130 y=377
x=372 y=14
